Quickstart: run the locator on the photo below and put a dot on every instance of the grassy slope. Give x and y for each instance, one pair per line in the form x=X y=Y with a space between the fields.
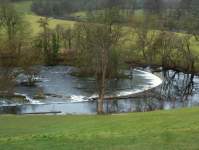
x=82 y=14
x=168 y=129
x=24 y=6
x=52 y=24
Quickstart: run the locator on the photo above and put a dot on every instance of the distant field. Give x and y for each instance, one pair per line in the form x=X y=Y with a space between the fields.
x=158 y=130
x=52 y=24
x=24 y=6
x=32 y=18
x=82 y=14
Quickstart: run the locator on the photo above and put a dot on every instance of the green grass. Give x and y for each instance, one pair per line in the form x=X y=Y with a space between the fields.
x=32 y=18
x=167 y=129
x=24 y=7
x=52 y=24
x=82 y=14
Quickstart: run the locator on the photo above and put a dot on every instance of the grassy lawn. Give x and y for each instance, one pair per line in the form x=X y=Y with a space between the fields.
x=167 y=129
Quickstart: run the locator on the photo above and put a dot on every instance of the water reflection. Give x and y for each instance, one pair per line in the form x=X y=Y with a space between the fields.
x=178 y=86
x=179 y=90
x=11 y=110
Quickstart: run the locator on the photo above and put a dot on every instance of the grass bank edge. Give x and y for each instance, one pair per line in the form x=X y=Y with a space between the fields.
x=184 y=119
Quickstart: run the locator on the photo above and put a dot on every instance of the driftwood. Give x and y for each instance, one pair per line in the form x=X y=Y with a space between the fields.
x=29 y=83
x=119 y=97
x=41 y=113
x=157 y=70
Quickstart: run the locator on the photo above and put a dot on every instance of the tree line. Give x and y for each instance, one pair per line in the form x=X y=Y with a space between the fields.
x=100 y=48
x=174 y=14
x=45 y=7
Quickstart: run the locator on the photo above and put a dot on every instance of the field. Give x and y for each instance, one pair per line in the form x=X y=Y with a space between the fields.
x=24 y=7
x=83 y=13
x=52 y=24
x=167 y=129
x=32 y=18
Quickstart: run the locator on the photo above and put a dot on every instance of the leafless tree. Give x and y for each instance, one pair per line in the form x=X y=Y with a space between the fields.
x=155 y=7
x=165 y=43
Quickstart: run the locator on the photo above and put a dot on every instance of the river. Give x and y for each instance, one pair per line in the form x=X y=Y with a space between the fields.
x=176 y=91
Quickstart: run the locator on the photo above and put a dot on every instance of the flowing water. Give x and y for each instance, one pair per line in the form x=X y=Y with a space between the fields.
x=178 y=90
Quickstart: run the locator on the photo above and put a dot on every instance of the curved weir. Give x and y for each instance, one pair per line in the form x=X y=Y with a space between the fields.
x=76 y=92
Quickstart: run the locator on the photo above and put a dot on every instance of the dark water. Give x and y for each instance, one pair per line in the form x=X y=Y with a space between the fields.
x=178 y=90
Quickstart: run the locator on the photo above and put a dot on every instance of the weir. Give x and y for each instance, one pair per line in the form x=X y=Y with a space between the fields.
x=76 y=93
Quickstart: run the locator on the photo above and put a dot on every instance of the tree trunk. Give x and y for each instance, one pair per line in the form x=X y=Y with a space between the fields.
x=69 y=43
x=192 y=66
x=100 y=104
x=144 y=55
x=103 y=84
x=1 y=59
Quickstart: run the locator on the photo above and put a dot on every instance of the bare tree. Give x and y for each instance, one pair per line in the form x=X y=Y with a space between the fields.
x=47 y=41
x=142 y=29
x=16 y=29
x=179 y=11
x=15 y=32
x=110 y=3
x=128 y=6
x=100 y=52
x=155 y=7
x=189 y=55
x=188 y=5
x=195 y=8
x=165 y=43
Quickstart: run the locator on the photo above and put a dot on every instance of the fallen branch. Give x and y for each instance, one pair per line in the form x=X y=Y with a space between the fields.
x=41 y=113
x=119 y=97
